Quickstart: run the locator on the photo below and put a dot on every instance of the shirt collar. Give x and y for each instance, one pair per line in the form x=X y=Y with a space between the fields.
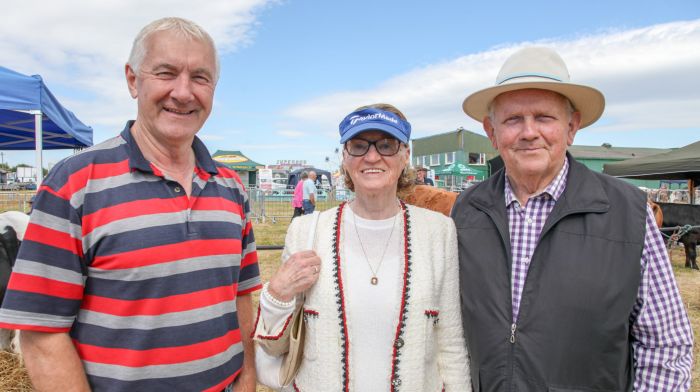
x=138 y=162
x=555 y=188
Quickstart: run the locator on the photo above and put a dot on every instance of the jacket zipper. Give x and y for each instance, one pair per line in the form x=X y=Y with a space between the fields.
x=513 y=328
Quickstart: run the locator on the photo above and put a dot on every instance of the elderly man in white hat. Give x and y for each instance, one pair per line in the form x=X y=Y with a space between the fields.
x=565 y=282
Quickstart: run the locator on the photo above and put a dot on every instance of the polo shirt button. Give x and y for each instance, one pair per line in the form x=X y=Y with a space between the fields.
x=396 y=382
x=177 y=189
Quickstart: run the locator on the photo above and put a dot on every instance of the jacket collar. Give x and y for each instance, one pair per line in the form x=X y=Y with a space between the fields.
x=583 y=193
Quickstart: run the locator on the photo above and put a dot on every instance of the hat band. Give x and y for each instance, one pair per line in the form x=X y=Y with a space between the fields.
x=527 y=75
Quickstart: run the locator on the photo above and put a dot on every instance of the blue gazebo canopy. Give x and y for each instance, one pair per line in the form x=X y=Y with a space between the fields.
x=22 y=99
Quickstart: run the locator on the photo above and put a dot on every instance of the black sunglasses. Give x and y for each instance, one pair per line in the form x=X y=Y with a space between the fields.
x=358 y=147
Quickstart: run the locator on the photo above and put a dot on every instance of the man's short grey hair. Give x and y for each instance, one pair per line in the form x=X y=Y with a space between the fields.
x=569 y=106
x=183 y=27
x=304 y=175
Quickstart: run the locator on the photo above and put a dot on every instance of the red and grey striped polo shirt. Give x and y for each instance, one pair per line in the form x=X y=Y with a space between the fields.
x=143 y=278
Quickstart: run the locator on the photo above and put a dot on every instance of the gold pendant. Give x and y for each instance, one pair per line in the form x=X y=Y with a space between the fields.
x=374 y=280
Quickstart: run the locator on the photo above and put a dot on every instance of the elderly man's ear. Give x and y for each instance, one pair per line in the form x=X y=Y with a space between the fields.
x=574 y=126
x=488 y=128
x=131 y=81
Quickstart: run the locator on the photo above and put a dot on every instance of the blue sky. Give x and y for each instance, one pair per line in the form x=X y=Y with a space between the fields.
x=292 y=69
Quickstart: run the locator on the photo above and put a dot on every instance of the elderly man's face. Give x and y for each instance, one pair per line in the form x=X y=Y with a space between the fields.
x=531 y=129
x=174 y=86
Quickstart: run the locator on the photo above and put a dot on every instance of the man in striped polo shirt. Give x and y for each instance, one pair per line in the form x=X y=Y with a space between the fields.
x=564 y=277
x=139 y=258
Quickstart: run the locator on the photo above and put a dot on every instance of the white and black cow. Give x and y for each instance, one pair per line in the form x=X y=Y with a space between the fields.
x=679 y=215
x=13 y=224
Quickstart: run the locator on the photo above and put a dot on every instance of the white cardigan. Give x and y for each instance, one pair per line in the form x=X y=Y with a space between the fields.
x=429 y=352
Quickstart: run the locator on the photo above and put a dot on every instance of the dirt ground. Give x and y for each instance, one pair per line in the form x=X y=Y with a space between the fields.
x=689 y=285
x=14 y=379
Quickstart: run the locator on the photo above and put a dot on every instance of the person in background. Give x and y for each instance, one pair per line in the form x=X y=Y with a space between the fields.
x=565 y=281
x=422 y=177
x=136 y=269
x=298 y=198
x=309 y=193
x=382 y=303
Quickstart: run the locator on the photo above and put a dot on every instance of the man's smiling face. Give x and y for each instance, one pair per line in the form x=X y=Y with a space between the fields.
x=174 y=86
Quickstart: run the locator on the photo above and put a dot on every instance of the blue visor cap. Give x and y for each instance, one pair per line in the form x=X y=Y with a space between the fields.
x=374 y=119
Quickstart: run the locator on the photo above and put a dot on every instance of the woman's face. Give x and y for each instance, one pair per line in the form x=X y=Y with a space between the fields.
x=373 y=172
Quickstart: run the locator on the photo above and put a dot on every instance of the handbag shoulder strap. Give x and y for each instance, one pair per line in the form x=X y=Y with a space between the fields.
x=312 y=232
x=310 y=244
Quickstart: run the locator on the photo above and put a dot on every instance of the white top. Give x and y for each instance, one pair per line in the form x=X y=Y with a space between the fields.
x=369 y=307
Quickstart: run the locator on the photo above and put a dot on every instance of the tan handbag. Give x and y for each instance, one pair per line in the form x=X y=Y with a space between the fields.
x=297 y=333
x=292 y=360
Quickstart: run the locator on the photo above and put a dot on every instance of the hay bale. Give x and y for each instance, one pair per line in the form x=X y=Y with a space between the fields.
x=13 y=376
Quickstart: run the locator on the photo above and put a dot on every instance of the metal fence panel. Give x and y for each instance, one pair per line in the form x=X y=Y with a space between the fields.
x=15 y=200
x=264 y=205
x=277 y=205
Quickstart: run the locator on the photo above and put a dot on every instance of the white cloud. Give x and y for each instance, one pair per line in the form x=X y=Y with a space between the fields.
x=80 y=47
x=272 y=146
x=649 y=77
x=208 y=137
x=291 y=133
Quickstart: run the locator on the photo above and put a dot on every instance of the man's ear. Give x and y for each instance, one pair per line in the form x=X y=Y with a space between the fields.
x=131 y=81
x=574 y=125
x=488 y=128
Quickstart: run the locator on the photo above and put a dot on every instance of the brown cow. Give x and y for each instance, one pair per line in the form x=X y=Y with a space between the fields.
x=658 y=214
x=432 y=198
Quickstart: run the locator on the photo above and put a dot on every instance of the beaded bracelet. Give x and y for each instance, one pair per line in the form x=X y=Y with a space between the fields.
x=274 y=300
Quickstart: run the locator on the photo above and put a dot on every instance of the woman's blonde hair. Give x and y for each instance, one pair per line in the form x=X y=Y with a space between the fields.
x=407 y=180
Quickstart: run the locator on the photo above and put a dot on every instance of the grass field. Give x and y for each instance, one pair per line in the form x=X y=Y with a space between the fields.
x=13 y=378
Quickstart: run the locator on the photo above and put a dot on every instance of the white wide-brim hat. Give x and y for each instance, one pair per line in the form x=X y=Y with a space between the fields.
x=537 y=68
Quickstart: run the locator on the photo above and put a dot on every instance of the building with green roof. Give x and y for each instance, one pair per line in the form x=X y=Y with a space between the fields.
x=436 y=152
x=245 y=167
x=594 y=157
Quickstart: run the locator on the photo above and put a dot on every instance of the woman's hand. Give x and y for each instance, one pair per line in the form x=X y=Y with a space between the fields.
x=295 y=276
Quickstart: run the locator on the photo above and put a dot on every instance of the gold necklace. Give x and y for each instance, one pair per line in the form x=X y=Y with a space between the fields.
x=374 y=280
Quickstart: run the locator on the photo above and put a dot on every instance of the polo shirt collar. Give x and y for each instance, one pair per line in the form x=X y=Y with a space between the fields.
x=138 y=162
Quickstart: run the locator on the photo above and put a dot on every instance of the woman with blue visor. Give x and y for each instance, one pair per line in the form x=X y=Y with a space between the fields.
x=380 y=287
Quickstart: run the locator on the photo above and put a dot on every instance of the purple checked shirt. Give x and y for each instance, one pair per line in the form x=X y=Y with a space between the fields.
x=662 y=338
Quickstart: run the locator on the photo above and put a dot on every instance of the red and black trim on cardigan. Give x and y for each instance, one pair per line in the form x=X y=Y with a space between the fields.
x=270 y=337
x=433 y=314
x=405 y=295
x=340 y=301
